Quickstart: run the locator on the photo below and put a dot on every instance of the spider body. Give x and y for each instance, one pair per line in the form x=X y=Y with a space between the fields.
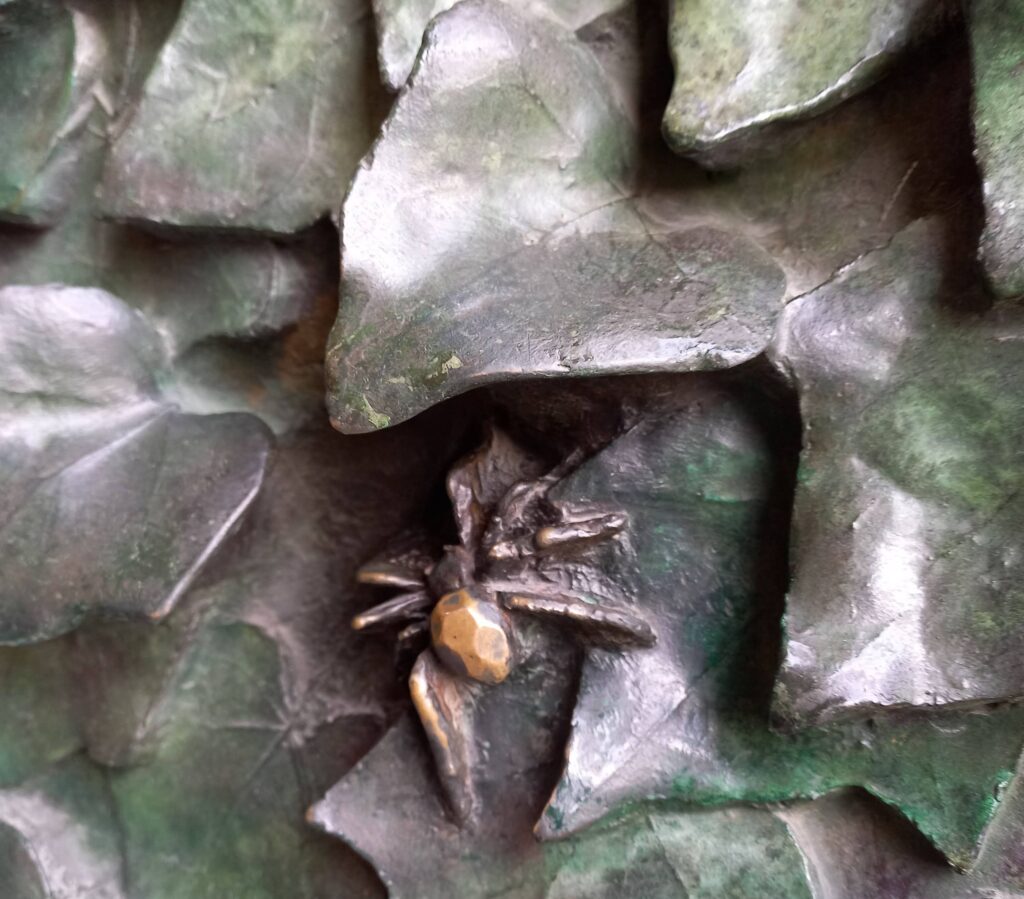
x=512 y=537
x=472 y=636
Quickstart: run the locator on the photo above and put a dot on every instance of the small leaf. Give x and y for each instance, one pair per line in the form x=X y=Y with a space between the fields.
x=746 y=66
x=61 y=831
x=401 y=24
x=996 y=27
x=253 y=118
x=37 y=68
x=856 y=848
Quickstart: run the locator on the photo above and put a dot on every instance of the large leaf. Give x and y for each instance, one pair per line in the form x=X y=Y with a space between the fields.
x=908 y=576
x=401 y=24
x=689 y=718
x=512 y=164
x=253 y=118
x=112 y=499
x=997 y=39
x=747 y=66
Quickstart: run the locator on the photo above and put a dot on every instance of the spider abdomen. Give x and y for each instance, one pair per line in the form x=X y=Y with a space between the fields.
x=472 y=636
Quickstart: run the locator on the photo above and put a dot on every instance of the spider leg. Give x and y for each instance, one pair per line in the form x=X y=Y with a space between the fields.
x=444 y=703
x=401 y=564
x=396 y=610
x=520 y=510
x=478 y=482
x=389 y=574
x=602 y=624
x=573 y=533
x=413 y=630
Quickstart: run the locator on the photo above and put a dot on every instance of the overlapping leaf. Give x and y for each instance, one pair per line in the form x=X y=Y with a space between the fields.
x=745 y=67
x=909 y=510
x=192 y=289
x=240 y=288
x=112 y=499
x=997 y=38
x=253 y=118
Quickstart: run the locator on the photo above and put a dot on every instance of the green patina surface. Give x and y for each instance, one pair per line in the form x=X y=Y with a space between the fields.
x=667 y=854
x=751 y=65
x=37 y=45
x=253 y=118
x=697 y=505
x=177 y=761
x=995 y=29
x=907 y=547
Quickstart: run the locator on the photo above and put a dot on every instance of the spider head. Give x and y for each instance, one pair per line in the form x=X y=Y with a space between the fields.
x=472 y=636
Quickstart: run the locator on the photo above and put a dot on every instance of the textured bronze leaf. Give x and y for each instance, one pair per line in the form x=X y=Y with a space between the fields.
x=689 y=717
x=496 y=233
x=113 y=500
x=748 y=66
x=997 y=39
x=907 y=587
x=253 y=118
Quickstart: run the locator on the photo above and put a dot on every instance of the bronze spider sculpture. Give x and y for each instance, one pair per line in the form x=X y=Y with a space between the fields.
x=511 y=536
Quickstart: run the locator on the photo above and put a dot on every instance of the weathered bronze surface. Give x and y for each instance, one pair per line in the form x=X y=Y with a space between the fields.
x=906 y=581
x=197 y=151
x=742 y=70
x=995 y=28
x=668 y=539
